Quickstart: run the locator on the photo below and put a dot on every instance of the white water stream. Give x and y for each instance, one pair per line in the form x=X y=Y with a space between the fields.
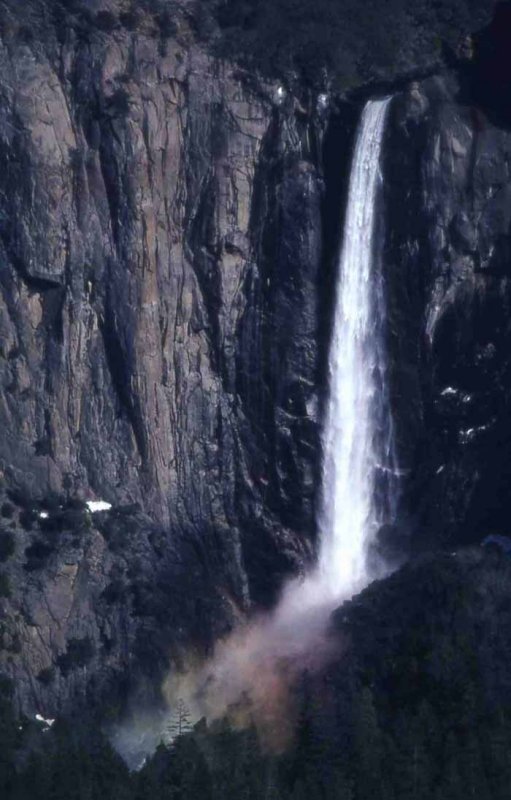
x=357 y=486
x=358 y=479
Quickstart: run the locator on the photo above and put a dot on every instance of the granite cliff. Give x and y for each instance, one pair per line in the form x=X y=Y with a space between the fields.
x=447 y=257
x=160 y=245
x=168 y=230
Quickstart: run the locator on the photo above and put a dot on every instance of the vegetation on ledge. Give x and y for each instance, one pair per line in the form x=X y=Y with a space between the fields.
x=343 y=43
x=346 y=40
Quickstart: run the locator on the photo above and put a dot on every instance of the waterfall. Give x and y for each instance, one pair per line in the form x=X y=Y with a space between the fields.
x=357 y=494
x=260 y=661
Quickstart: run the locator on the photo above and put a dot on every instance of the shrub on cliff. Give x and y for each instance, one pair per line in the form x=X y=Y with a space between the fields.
x=7 y=510
x=105 y=21
x=46 y=676
x=166 y=23
x=118 y=104
x=5 y=586
x=37 y=554
x=7 y=545
x=78 y=654
x=350 y=40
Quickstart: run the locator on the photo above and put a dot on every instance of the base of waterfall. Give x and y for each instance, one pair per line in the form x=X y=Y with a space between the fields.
x=252 y=673
x=251 y=677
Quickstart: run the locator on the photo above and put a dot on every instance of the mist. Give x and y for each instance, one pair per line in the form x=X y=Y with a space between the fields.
x=250 y=677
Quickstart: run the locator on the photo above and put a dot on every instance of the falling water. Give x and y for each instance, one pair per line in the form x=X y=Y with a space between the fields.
x=357 y=480
x=258 y=661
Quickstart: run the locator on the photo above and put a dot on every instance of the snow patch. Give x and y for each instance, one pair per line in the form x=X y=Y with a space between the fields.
x=47 y=722
x=279 y=95
x=98 y=505
x=470 y=433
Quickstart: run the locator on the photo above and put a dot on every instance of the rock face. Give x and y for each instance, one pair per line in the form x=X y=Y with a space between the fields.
x=448 y=265
x=167 y=270
x=160 y=246
x=131 y=237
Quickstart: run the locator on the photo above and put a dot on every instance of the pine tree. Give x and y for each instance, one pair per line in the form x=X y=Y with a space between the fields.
x=299 y=791
x=340 y=788
x=180 y=720
x=452 y=785
x=368 y=749
x=9 y=738
x=304 y=737
x=407 y=760
x=497 y=756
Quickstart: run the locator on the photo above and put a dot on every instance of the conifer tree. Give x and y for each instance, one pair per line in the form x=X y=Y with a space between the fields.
x=180 y=720
x=368 y=748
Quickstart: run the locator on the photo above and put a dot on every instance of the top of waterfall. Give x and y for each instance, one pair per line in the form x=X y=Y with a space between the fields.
x=357 y=434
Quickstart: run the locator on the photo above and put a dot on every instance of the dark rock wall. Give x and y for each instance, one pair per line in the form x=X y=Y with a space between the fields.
x=160 y=252
x=448 y=266
x=129 y=241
